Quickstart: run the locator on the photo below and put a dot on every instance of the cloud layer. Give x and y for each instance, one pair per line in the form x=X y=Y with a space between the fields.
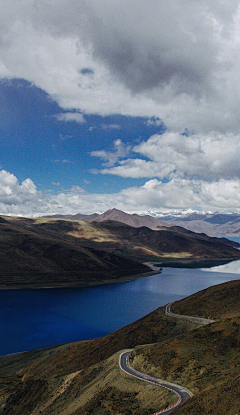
x=24 y=199
x=207 y=157
x=176 y=60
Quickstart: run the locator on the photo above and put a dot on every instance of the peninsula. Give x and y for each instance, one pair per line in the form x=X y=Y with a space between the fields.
x=51 y=252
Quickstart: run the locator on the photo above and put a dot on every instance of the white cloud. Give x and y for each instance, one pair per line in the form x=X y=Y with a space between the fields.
x=70 y=116
x=208 y=157
x=64 y=137
x=25 y=200
x=135 y=168
x=28 y=187
x=111 y=157
x=12 y=193
x=62 y=161
x=111 y=127
x=77 y=189
x=184 y=194
x=154 y=121
x=177 y=60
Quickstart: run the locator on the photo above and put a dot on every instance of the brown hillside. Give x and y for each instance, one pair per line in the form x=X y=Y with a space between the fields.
x=205 y=360
x=83 y=378
x=30 y=258
x=142 y=244
x=220 y=301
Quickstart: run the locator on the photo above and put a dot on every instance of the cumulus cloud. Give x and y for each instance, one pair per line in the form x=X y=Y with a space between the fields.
x=222 y=195
x=77 y=189
x=176 y=60
x=25 y=200
x=13 y=193
x=208 y=157
x=111 y=157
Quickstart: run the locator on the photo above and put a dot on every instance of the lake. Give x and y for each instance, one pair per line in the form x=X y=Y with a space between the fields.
x=33 y=319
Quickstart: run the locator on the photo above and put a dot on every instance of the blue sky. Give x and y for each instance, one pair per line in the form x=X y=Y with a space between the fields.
x=56 y=154
x=100 y=108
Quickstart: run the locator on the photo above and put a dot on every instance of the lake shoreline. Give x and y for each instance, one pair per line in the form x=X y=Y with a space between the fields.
x=156 y=267
x=52 y=316
x=193 y=263
x=80 y=284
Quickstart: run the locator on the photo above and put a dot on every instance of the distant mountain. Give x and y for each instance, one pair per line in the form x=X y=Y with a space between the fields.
x=117 y=215
x=138 y=243
x=212 y=224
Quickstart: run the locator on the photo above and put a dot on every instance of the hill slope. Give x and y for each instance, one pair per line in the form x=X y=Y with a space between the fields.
x=29 y=258
x=83 y=378
x=52 y=252
x=139 y=243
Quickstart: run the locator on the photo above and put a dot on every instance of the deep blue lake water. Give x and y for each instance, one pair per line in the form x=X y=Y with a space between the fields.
x=33 y=319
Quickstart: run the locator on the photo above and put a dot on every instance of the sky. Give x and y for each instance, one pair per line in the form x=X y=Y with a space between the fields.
x=127 y=104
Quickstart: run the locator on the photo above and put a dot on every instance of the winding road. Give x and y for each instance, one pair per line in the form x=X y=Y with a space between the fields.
x=196 y=320
x=182 y=393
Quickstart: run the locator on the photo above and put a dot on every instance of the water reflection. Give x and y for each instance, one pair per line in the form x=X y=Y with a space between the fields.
x=185 y=282
x=232 y=268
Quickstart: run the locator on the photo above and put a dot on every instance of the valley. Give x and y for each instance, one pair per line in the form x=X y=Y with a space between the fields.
x=84 y=377
x=51 y=252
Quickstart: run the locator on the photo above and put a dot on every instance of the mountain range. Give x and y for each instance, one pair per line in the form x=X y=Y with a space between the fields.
x=134 y=219
x=56 y=252
x=209 y=223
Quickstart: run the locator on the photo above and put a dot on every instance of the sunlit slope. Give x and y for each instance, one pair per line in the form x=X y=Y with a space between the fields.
x=142 y=244
x=219 y=301
x=206 y=359
x=117 y=215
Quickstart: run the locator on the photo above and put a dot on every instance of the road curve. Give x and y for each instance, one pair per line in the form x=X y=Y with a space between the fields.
x=182 y=393
x=196 y=320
